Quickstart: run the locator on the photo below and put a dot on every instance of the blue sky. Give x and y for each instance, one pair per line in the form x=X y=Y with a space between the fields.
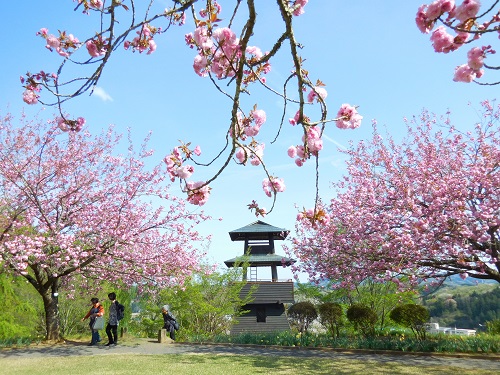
x=368 y=53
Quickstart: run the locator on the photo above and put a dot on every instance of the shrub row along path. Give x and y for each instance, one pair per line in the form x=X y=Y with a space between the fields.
x=148 y=346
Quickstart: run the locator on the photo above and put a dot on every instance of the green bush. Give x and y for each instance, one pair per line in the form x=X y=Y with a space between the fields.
x=330 y=316
x=493 y=327
x=363 y=318
x=411 y=316
x=301 y=315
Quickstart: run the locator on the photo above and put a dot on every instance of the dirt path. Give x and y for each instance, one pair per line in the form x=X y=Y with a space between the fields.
x=148 y=346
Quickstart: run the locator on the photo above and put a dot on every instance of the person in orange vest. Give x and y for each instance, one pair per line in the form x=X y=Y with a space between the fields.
x=96 y=310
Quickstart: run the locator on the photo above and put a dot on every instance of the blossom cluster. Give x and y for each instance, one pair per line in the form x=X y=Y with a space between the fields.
x=298 y=7
x=33 y=82
x=254 y=151
x=273 y=185
x=64 y=44
x=465 y=15
x=314 y=217
x=98 y=46
x=144 y=40
x=198 y=192
x=90 y=4
x=70 y=125
x=348 y=117
x=248 y=126
x=219 y=49
x=311 y=145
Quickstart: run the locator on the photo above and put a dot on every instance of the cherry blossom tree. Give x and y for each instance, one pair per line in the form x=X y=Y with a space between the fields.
x=470 y=21
x=71 y=208
x=426 y=207
x=223 y=53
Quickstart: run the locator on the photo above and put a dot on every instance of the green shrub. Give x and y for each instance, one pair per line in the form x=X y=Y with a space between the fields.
x=493 y=327
x=363 y=318
x=411 y=316
x=301 y=315
x=330 y=316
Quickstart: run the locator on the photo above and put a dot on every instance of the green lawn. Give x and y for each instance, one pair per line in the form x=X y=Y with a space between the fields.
x=116 y=364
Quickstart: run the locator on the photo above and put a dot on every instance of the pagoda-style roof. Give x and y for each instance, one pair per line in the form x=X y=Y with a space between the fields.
x=258 y=231
x=261 y=260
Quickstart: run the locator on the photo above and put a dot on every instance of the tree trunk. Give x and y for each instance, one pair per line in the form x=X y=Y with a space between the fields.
x=52 y=320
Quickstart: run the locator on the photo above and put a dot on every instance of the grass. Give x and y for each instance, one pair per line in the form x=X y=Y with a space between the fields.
x=212 y=364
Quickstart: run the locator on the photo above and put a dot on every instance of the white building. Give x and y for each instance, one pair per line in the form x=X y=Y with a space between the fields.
x=435 y=328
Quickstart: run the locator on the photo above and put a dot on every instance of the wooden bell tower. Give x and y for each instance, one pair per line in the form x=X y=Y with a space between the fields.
x=267 y=310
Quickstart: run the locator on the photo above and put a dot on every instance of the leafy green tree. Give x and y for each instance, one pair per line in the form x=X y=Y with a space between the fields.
x=18 y=313
x=411 y=316
x=301 y=315
x=493 y=327
x=363 y=318
x=207 y=305
x=381 y=297
x=330 y=316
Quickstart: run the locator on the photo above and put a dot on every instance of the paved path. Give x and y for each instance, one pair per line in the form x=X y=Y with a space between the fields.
x=148 y=346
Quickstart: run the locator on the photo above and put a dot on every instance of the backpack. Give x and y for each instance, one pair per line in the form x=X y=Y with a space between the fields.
x=120 y=311
x=176 y=324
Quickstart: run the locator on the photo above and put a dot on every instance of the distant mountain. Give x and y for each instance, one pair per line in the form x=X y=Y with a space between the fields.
x=456 y=280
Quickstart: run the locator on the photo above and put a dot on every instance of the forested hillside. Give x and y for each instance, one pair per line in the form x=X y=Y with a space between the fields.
x=464 y=306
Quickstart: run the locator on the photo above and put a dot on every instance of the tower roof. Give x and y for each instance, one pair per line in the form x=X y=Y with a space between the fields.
x=258 y=230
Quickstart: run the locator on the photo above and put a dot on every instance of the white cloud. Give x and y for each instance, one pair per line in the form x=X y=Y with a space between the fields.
x=99 y=92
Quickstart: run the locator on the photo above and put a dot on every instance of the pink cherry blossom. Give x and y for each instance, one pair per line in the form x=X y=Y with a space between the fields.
x=255 y=51
x=197 y=194
x=464 y=73
x=476 y=58
x=202 y=39
x=185 y=171
x=468 y=9
x=441 y=40
x=313 y=141
x=298 y=7
x=93 y=48
x=424 y=24
x=95 y=220
x=144 y=40
x=257 y=154
x=295 y=119
x=317 y=91
x=44 y=32
x=273 y=185
x=225 y=36
x=439 y=7
x=241 y=155
x=152 y=46
x=410 y=208
x=348 y=117
x=259 y=116
x=52 y=42
x=200 y=65
x=30 y=97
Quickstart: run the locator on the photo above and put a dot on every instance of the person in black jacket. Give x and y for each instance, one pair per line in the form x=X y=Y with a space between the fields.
x=168 y=321
x=112 y=327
